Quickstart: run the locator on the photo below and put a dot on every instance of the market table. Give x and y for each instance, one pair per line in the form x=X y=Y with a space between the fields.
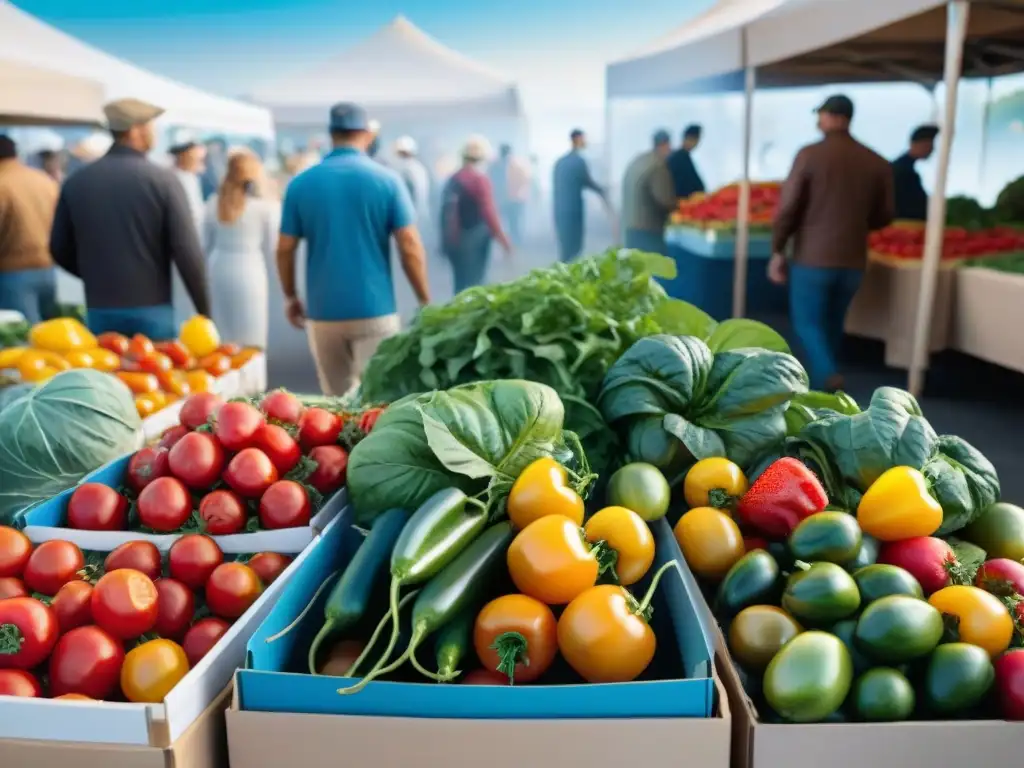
x=989 y=313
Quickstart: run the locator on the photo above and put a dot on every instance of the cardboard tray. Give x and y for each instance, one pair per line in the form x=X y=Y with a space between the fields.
x=46 y=520
x=678 y=684
x=989 y=315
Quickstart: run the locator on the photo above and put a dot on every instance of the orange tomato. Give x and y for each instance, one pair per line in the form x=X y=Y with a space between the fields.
x=549 y=560
x=139 y=383
x=710 y=540
x=178 y=353
x=140 y=347
x=155 y=363
x=80 y=358
x=517 y=637
x=74 y=697
x=151 y=670
x=229 y=349
x=115 y=342
x=543 y=489
x=624 y=532
x=982 y=619
x=200 y=381
x=215 y=364
x=145 y=405
x=243 y=357
x=174 y=382
x=105 y=360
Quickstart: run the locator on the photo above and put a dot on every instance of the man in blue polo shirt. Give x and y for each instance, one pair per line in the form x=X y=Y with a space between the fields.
x=347 y=209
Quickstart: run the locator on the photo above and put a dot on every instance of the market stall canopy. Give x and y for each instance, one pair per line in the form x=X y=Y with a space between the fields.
x=27 y=40
x=815 y=42
x=398 y=68
x=36 y=96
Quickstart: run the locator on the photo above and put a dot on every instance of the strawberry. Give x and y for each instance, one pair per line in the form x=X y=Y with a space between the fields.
x=785 y=493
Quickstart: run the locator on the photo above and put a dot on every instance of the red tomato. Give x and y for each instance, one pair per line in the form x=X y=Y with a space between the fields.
x=268 y=566
x=250 y=473
x=15 y=549
x=285 y=505
x=928 y=559
x=198 y=408
x=171 y=436
x=280 y=447
x=140 y=347
x=331 y=464
x=35 y=632
x=232 y=588
x=138 y=555
x=18 y=682
x=197 y=460
x=165 y=505
x=193 y=558
x=52 y=565
x=223 y=513
x=202 y=636
x=146 y=465
x=97 y=507
x=175 y=607
x=484 y=677
x=237 y=425
x=1001 y=577
x=178 y=352
x=86 y=661
x=115 y=342
x=369 y=419
x=155 y=363
x=124 y=602
x=12 y=586
x=318 y=427
x=282 y=406
x=72 y=605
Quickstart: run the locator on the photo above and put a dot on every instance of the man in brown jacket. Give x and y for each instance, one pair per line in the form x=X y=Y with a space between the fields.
x=837 y=193
x=28 y=198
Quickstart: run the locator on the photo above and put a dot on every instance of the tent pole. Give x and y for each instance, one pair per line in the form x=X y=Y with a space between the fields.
x=983 y=159
x=741 y=263
x=957 y=15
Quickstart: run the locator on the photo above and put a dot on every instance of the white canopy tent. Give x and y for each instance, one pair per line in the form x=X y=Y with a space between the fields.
x=30 y=42
x=36 y=96
x=786 y=43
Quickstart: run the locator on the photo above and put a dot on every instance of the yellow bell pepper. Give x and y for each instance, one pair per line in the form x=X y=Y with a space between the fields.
x=899 y=506
x=61 y=335
x=9 y=357
x=200 y=335
x=543 y=489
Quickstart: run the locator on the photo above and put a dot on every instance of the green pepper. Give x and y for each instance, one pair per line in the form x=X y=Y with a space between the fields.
x=452 y=642
x=347 y=602
x=808 y=679
x=866 y=555
x=881 y=695
x=879 y=580
x=898 y=628
x=753 y=579
x=833 y=537
x=958 y=677
x=820 y=594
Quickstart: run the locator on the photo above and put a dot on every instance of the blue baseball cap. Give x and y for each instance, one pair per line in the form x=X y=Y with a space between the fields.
x=349 y=117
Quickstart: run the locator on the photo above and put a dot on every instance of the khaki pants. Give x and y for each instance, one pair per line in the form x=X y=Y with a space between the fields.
x=342 y=348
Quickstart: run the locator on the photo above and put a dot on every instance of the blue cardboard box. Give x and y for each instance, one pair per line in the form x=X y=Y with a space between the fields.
x=678 y=684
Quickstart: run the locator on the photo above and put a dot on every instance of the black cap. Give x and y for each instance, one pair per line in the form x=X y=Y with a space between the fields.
x=576 y=133
x=693 y=131
x=839 y=105
x=924 y=133
x=661 y=137
x=348 y=117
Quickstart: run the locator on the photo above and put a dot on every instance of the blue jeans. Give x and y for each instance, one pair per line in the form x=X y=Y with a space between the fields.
x=33 y=292
x=156 y=322
x=471 y=258
x=818 y=300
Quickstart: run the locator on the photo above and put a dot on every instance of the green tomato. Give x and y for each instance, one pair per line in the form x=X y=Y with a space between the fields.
x=642 y=488
x=883 y=694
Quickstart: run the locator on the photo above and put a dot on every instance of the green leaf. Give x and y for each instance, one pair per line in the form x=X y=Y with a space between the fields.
x=700 y=442
x=455 y=456
x=963 y=480
x=741 y=333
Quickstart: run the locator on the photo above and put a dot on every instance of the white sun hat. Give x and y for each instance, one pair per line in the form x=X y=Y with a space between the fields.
x=406 y=144
x=476 y=149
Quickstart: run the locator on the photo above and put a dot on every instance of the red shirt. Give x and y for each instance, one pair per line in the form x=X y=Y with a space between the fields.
x=478 y=186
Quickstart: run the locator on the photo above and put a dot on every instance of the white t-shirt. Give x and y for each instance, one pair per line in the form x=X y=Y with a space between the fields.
x=414 y=174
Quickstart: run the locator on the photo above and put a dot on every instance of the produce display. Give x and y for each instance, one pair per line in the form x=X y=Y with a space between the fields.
x=905 y=242
x=127 y=625
x=719 y=209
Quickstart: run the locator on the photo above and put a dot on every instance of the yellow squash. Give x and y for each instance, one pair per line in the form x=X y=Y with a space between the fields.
x=899 y=506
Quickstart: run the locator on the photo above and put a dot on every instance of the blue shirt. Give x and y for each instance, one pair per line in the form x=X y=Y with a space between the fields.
x=346 y=208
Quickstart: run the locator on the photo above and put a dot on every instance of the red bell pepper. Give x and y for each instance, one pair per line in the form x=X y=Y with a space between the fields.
x=1010 y=683
x=785 y=493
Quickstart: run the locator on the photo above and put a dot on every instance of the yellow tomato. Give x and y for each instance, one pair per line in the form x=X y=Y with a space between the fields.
x=38 y=365
x=146 y=405
x=199 y=381
x=61 y=335
x=151 y=670
x=626 y=534
x=105 y=360
x=200 y=335
x=80 y=358
x=982 y=618
x=710 y=540
x=714 y=482
x=9 y=357
x=542 y=489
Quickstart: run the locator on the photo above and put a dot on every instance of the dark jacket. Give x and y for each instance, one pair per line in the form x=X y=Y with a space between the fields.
x=570 y=176
x=120 y=224
x=837 y=193
x=911 y=199
x=684 y=173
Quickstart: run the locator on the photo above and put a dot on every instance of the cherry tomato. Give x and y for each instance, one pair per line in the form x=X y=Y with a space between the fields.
x=155 y=363
x=215 y=364
x=516 y=636
x=331 y=464
x=178 y=352
x=483 y=677
x=33 y=635
x=223 y=513
x=18 y=682
x=140 y=347
x=237 y=425
x=197 y=460
x=86 y=661
x=164 y=505
x=626 y=534
x=52 y=565
x=250 y=472
x=268 y=566
x=202 y=636
x=12 y=586
x=139 y=555
x=198 y=408
x=280 y=447
x=176 y=605
x=97 y=507
x=282 y=406
x=171 y=436
x=710 y=541
x=124 y=602
x=318 y=427
x=231 y=589
x=115 y=342
x=146 y=465
x=72 y=606
x=193 y=558
x=551 y=561
x=369 y=419
x=151 y=670
x=15 y=549
x=285 y=505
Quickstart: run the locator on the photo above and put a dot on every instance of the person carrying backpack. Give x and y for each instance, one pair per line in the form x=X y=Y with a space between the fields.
x=469 y=218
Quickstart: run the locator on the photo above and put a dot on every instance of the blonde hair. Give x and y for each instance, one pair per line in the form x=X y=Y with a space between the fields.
x=244 y=170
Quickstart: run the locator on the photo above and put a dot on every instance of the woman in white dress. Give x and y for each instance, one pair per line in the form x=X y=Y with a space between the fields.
x=240 y=240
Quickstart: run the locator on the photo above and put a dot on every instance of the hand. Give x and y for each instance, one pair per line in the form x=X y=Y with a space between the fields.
x=778 y=270
x=295 y=312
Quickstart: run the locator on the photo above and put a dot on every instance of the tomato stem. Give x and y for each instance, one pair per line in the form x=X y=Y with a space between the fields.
x=607 y=560
x=511 y=649
x=719 y=498
x=11 y=639
x=644 y=609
